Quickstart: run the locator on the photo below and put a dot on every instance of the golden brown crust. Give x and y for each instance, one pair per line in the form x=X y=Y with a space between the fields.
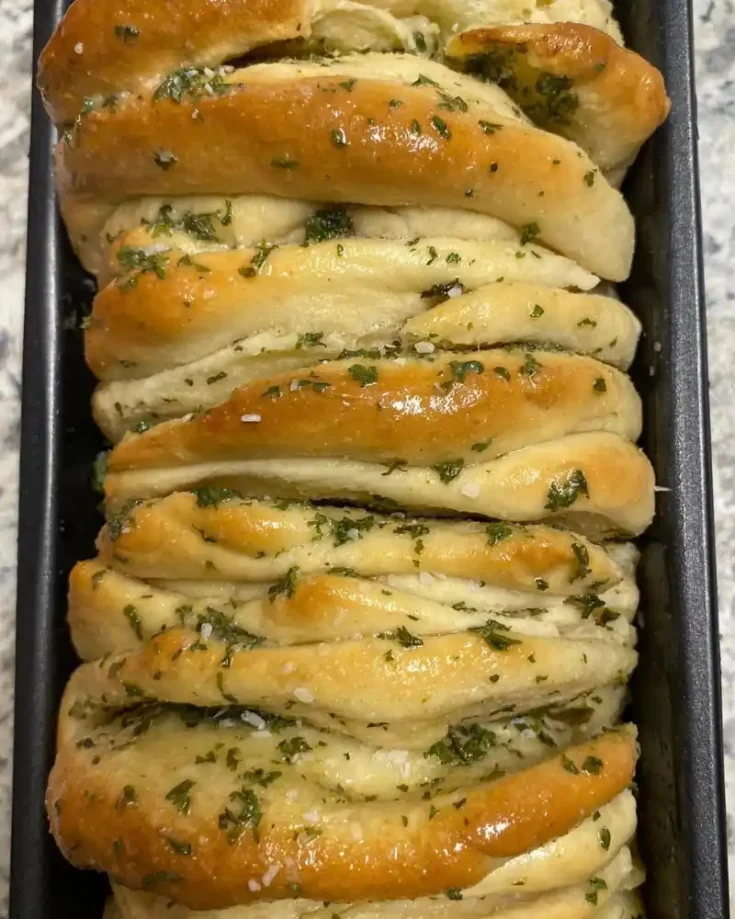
x=359 y=290
x=347 y=686
x=419 y=412
x=599 y=484
x=111 y=612
x=187 y=536
x=441 y=847
x=104 y=47
x=610 y=101
x=243 y=138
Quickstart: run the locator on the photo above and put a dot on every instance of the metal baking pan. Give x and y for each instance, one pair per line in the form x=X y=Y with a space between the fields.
x=676 y=691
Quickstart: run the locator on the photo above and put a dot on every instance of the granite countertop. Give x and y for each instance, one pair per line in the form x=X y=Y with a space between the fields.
x=715 y=54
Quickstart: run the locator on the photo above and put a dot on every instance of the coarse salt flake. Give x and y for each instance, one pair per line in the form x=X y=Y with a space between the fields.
x=254 y=720
x=270 y=875
x=470 y=490
x=248 y=419
x=425 y=578
x=303 y=694
x=206 y=630
x=79 y=48
x=288 y=667
x=424 y=347
x=455 y=291
x=253 y=885
x=312 y=816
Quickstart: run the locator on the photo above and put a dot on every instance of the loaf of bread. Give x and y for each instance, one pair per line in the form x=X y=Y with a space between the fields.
x=357 y=635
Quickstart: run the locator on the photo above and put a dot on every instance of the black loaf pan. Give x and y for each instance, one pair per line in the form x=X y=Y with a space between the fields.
x=676 y=691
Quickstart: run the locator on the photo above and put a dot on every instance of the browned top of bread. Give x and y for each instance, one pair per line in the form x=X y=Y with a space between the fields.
x=214 y=534
x=472 y=407
x=441 y=844
x=573 y=80
x=349 y=144
x=104 y=47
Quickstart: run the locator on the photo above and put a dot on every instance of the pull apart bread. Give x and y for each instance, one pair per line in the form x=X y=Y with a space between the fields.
x=357 y=636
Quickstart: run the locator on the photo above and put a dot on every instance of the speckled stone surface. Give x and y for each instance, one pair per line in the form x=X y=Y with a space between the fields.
x=715 y=51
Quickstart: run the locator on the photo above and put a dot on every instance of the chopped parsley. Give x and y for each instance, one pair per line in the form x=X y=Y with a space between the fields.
x=328 y=223
x=583 y=562
x=292 y=748
x=257 y=261
x=443 y=289
x=492 y=633
x=287 y=584
x=463 y=744
x=365 y=376
x=441 y=127
x=529 y=232
x=180 y=796
x=233 y=822
x=497 y=532
x=404 y=638
x=449 y=471
x=460 y=369
x=563 y=494
x=211 y=495
x=131 y=614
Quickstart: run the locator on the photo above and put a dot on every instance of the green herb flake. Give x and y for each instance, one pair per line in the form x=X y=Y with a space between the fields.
x=180 y=848
x=497 y=532
x=488 y=127
x=502 y=372
x=592 y=765
x=292 y=748
x=589 y=178
x=492 y=634
x=529 y=232
x=441 y=127
x=537 y=311
x=234 y=822
x=328 y=223
x=454 y=893
x=596 y=884
x=460 y=369
x=569 y=765
x=257 y=261
x=563 y=494
x=443 y=289
x=481 y=446
x=287 y=584
x=462 y=745
x=404 y=638
x=583 y=562
x=212 y=496
x=449 y=471
x=131 y=614
x=600 y=385
x=603 y=834
x=365 y=376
